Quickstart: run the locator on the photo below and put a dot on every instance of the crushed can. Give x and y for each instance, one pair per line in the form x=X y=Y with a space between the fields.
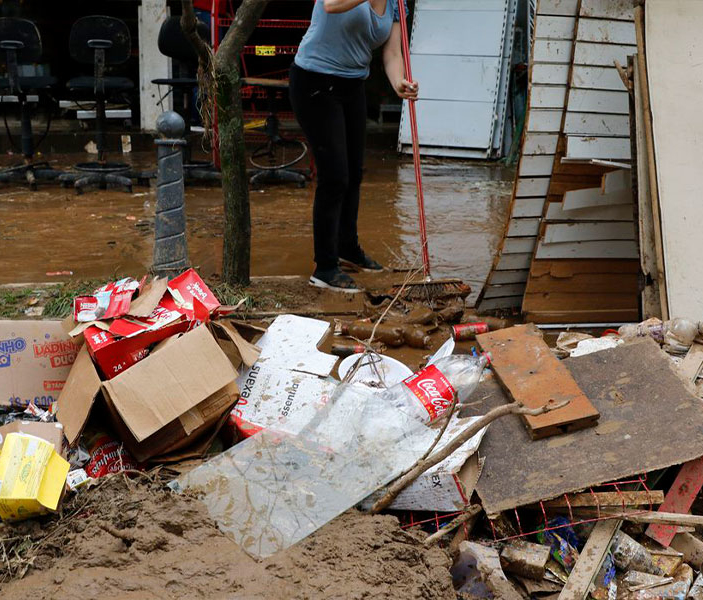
x=468 y=331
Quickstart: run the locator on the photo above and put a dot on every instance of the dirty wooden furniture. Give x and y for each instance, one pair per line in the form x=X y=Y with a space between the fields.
x=101 y=42
x=533 y=376
x=20 y=45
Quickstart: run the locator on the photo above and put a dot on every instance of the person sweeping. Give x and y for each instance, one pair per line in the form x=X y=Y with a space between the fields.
x=329 y=100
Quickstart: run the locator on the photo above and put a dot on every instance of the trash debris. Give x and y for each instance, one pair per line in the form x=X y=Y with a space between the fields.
x=486 y=562
x=33 y=477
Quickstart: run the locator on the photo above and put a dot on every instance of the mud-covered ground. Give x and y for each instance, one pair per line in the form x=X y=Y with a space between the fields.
x=136 y=540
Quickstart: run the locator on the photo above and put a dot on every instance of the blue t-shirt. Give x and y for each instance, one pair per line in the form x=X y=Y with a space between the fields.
x=342 y=43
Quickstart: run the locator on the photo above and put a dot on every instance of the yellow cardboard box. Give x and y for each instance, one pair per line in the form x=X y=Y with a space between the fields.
x=32 y=477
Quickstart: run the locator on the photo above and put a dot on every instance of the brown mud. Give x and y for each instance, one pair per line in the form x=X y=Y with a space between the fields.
x=135 y=539
x=101 y=234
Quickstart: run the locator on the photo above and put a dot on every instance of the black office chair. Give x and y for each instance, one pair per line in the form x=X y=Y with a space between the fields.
x=20 y=44
x=100 y=41
x=176 y=45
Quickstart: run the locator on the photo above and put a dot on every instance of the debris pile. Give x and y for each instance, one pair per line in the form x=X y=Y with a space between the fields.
x=532 y=471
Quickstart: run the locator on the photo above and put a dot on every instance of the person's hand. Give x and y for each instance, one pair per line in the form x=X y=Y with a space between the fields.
x=408 y=90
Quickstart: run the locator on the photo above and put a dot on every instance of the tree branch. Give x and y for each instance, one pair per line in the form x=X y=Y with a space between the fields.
x=456 y=442
x=472 y=511
x=244 y=23
x=189 y=25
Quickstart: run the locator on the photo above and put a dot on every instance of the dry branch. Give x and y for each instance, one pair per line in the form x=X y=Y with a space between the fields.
x=459 y=440
x=472 y=511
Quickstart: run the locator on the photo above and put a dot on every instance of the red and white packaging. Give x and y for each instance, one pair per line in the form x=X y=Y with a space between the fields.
x=107 y=302
x=166 y=313
x=107 y=455
x=432 y=389
x=113 y=354
x=192 y=296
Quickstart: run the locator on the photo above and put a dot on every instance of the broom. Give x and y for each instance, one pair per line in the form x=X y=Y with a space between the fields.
x=428 y=289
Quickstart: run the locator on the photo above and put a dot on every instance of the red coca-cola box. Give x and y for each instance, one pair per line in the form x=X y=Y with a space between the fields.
x=113 y=355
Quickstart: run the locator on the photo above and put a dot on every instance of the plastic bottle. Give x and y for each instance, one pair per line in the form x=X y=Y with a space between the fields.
x=427 y=394
x=416 y=337
x=344 y=349
x=391 y=335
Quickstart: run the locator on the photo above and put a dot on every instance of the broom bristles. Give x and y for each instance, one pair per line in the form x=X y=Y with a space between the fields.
x=434 y=289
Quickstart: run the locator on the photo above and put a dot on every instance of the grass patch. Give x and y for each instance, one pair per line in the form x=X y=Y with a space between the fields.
x=59 y=300
x=232 y=295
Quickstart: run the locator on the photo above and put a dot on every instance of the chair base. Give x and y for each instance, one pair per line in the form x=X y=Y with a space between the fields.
x=98 y=174
x=29 y=173
x=261 y=177
x=198 y=171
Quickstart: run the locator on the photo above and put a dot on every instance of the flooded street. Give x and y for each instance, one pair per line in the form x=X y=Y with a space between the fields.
x=104 y=233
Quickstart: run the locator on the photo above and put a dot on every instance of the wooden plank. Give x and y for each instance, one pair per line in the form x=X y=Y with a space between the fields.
x=548 y=96
x=523 y=227
x=550 y=74
x=679 y=499
x=585 y=148
x=556 y=233
x=569 y=268
x=651 y=167
x=500 y=291
x=590 y=560
x=528 y=207
x=579 y=123
x=587 y=283
x=569 y=302
x=519 y=245
x=599 y=101
x=531 y=187
x=536 y=166
x=691 y=366
x=539 y=144
x=511 y=262
x=616 y=181
x=607 y=9
x=557 y=7
x=601 y=55
x=675 y=82
x=555 y=27
x=691 y=548
x=596 y=78
x=533 y=376
x=594 y=197
x=592 y=249
x=621 y=383
x=503 y=277
x=544 y=121
x=552 y=51
x=622 y=212
x=617 y=499
x=606 y=32
x=651 y=300
x=499 y=303
x=606 y=315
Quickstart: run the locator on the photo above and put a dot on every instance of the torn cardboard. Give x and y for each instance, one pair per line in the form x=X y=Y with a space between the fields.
x=173 y=396
x=51 y=432
x=35 y=360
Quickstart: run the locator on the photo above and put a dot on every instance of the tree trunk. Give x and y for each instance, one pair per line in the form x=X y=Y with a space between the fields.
x=230 y=124
x=235 y=183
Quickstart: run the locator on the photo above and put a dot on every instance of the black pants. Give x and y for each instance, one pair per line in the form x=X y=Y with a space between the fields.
x=332 y=113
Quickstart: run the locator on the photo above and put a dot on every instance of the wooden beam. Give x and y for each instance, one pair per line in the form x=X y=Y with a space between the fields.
x=679 y=499
x=590 y=560
x=609 y=499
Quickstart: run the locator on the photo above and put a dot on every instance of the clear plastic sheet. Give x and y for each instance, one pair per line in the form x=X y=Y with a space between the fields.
x=274 y=489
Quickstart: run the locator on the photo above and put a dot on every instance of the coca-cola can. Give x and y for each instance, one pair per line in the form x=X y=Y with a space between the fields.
x=468 y=331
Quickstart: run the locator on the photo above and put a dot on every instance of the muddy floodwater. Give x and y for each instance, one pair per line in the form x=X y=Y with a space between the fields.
x=45 y=235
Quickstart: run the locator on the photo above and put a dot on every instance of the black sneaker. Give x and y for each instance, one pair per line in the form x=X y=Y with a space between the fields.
x=361 y=263
x=334 y=279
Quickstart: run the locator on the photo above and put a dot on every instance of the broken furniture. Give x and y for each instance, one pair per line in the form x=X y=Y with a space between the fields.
x=20 y=47
x=101 y=42
x=644 y=406
x=183 y=85
x=275 y=158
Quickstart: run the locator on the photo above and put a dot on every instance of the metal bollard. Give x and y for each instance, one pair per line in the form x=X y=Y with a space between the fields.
x=170 y=243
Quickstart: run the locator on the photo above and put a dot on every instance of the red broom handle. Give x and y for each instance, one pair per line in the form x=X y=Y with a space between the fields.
x=416 y=141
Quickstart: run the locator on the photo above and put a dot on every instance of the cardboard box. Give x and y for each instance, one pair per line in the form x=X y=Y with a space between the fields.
x=35 y=360
x=172 y=397
x=51 y=432
x=33 y=477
